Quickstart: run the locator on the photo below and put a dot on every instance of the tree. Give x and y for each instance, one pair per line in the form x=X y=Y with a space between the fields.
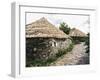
x=87 y=43
x=64 y=27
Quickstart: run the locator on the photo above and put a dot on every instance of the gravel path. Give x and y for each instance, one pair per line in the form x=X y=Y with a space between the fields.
x=76 y=56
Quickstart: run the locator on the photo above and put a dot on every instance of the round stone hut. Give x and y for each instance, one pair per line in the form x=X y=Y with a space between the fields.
x=43 y=40
x=77 y=35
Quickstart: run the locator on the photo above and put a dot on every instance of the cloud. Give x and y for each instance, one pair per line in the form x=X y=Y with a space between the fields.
x=72 y=20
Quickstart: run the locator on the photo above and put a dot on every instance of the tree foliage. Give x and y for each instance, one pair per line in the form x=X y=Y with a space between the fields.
x=87 y=43
x=64 y=27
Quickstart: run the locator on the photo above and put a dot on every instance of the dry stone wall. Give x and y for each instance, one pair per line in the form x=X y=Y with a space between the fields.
x=44 y=48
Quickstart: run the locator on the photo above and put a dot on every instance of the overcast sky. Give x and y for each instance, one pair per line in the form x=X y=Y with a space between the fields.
x=78 y=21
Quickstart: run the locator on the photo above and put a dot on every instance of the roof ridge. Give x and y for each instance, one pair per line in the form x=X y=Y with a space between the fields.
x=50 y=29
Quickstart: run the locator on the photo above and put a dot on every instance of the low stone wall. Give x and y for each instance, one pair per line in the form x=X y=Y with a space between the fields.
x=44 y=48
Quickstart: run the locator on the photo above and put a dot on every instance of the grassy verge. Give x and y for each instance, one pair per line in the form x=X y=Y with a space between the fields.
x=64 y=51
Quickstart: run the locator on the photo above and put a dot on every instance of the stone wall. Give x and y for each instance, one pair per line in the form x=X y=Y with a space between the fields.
x=44 y=48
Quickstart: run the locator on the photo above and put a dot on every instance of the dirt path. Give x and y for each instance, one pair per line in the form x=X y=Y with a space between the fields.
x=76 y=56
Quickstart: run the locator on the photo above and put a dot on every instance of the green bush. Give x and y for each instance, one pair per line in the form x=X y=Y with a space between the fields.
x=70 y=47
x=77 y=40
x=64 y=51
x=60 y=53
x=50 y=60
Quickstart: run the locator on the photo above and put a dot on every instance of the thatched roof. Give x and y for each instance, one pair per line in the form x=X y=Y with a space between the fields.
x=75 y=32
x=43 y=28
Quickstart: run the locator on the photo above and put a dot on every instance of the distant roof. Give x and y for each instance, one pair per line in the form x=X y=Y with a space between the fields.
x=76 y=32
x=43 y=28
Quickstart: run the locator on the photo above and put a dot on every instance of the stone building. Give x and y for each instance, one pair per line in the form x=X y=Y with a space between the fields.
x=43 y=40
x=77 y=35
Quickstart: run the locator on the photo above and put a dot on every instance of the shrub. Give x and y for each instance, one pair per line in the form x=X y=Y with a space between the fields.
x=50 y=60
x=60 y=53
x=64 y=51
x=77 y=40
x=70 y=47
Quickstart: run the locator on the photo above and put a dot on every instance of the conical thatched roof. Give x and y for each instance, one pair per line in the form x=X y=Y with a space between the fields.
x=43 y=28
x=75 y=32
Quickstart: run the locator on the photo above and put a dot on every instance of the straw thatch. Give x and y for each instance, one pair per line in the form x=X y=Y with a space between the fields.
x=77 y=33
x=43 y=28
